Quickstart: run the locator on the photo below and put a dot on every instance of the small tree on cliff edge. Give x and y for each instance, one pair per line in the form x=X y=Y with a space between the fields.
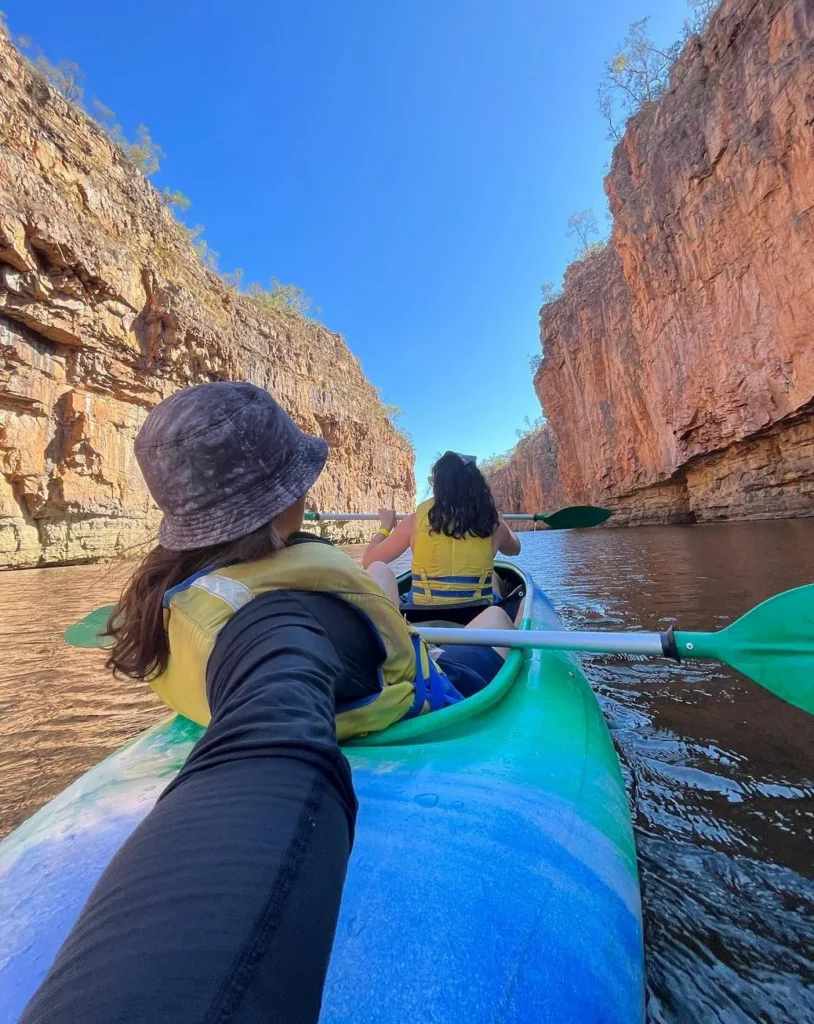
x=701 y=12
x=581 y=226
x=286 y=297
x=639 y=71
x=66 y=76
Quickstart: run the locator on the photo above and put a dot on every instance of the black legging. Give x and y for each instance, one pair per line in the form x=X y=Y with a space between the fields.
x=222 y=905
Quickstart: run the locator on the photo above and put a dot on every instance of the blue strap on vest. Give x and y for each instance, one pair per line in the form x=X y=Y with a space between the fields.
x=464 y=595
x=432 y=686
x=170 y=594
x=471 y=588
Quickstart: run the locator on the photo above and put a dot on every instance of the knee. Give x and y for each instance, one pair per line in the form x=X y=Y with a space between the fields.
x=501 y=619
x=380 y=569
x=492 y=618
x=381 y=573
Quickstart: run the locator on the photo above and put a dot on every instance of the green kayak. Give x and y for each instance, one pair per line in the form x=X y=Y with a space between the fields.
x=493 y=876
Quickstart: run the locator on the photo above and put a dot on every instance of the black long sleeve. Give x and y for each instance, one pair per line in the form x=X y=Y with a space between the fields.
x=222 y=905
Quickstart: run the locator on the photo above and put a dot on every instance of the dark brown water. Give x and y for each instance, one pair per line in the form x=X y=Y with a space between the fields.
x=60 y=712
x=720 y=774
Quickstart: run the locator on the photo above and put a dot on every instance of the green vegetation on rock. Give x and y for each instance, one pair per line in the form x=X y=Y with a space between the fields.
x=533 y=428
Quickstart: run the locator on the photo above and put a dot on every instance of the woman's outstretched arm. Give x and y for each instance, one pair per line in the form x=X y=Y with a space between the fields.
x=223 y=903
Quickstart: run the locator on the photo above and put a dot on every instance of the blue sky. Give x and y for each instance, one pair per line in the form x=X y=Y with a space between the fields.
x=409 y=163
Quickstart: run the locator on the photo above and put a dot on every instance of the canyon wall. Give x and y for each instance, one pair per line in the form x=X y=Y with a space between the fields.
x=678 y=364
x=105 y=309
x=529 y=481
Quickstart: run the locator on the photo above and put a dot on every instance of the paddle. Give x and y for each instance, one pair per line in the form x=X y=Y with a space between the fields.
x=773 y=644
x=574 y=517
x=88 y=631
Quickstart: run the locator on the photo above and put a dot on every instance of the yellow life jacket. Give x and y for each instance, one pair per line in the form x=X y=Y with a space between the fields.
x=198 y=609
x=446 y=570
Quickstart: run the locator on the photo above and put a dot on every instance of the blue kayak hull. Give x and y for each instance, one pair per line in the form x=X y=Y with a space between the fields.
x=493 y=876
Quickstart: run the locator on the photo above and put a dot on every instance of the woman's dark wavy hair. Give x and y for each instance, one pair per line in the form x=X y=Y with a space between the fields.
x=464 y=505
x=141 y=648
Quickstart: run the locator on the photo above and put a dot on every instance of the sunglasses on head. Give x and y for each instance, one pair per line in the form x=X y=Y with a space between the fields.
x=467 y=460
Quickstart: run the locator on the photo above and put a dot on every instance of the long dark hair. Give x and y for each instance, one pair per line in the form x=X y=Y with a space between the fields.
x=141 y=649
x=464 y=505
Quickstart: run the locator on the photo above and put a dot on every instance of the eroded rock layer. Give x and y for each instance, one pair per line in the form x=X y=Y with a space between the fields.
x=105 y=309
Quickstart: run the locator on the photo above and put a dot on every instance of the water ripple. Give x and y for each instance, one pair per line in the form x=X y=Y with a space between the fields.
x=719 y=773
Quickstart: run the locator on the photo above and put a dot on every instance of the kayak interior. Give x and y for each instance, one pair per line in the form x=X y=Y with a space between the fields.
x=517 y=588
x=512 y=583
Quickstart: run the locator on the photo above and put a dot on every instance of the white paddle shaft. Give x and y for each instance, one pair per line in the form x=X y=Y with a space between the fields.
x=547 y=639
x=370 y=516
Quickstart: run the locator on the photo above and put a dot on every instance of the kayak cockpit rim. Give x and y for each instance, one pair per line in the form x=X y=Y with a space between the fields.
x=426 y=727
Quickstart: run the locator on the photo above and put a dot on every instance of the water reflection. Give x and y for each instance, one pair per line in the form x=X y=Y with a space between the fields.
x=60 y=712
x=720 y=773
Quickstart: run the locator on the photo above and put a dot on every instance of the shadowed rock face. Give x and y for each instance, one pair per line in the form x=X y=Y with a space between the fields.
x=678 y=371
x=105 y=309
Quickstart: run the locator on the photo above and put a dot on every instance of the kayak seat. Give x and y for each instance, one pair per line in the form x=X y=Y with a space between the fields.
x=512 y=601
x=454 y=614
x=442 y=624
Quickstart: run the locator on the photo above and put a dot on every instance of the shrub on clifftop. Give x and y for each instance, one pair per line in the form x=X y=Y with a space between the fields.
x=639 y=70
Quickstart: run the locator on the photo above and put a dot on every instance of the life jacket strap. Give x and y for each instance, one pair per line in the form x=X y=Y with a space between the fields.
x=453 y=588
x=431 y=685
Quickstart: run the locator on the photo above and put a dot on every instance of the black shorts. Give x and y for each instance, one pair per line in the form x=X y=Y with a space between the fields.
x=470 y=669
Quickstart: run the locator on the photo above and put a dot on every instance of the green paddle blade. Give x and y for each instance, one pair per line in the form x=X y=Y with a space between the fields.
x=575 y=517
x=86 y=632
x=773 y=644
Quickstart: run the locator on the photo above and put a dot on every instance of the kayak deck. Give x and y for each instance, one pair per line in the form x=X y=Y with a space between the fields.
x=503 y=835
x=493 y=875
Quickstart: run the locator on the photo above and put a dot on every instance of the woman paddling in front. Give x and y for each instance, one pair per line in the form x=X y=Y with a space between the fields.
x=454 y=537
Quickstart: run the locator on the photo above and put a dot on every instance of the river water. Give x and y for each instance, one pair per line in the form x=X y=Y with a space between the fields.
x=720 y=774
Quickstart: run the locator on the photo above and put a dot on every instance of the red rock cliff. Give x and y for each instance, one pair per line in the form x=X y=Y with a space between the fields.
x=104 y=310
x=678 y=369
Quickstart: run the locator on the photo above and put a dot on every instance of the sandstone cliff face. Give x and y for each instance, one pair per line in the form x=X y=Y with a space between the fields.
x=678 y=369
x=530 y=482
x=105 y=309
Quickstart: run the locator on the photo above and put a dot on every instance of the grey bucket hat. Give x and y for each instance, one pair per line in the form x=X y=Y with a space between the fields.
x=222 y=459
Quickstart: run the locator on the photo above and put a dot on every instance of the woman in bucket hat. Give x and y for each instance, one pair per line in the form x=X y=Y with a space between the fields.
x=223 y=903
x=230 y=471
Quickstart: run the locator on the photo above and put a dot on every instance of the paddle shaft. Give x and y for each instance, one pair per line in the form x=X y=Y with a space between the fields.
x=552 y=639
x=371 y=516
x=772 y=644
